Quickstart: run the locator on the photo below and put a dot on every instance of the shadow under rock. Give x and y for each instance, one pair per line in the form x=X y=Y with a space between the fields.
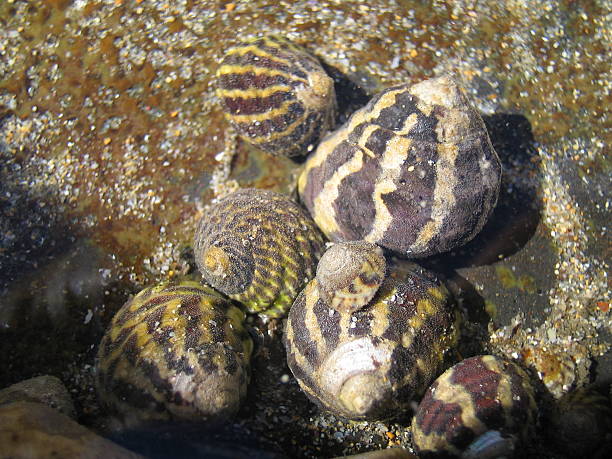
x=31 y=233
x=186 y=440
x=474 y=324
x=517 y=213
x=349 y=96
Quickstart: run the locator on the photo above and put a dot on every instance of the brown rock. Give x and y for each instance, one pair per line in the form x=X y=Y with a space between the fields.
x=46 y=389
x=29 y=430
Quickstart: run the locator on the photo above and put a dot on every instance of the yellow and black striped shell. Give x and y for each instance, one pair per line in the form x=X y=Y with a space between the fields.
x=349 y=274
x=483 y=397
x=371 y=363
x=175 y=351
x=276 y=95
x=413 y=171
x=259 y=248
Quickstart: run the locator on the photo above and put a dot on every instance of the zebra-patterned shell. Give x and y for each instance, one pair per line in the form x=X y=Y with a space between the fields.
x=413 y=171
x=175 y=351
x=371 y=363
x=259 y=248
x=277 y=95
x=481 y=405
x=350 y=273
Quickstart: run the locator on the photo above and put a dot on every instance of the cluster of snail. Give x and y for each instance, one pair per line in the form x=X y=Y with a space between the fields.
x=411 y=174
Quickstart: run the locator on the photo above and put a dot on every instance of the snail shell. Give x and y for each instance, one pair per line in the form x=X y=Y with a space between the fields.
x=413 y=171
x=350 y=273
x=276 y=95
x=175 y=351
x=371 y=363
x=259 y=248
x=580 y=423
x=481 y=405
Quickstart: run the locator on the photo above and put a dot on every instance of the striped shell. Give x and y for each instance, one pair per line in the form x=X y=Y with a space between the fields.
x=277 y=96
x=413 y=171
x=371 y=363
x=175 y=351
x=349 y=274
x=259 y=248
x=477 y=396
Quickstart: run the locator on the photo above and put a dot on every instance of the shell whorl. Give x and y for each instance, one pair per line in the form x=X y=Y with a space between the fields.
x=349 y=274
x=353 y=372
x=259 y=248
x=228 y=263
x=276 y=95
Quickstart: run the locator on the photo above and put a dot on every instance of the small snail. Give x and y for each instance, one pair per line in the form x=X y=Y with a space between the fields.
x=349 y=274
x=482 y=407
x=175 y=351
x=581 y=423
x=259 y=248
x=276 y=95
x=413 y=171
x=369 y=364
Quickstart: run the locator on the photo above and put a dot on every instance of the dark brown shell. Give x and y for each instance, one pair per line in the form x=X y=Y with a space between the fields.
x=478 y=395
x=175 y=351
x=581 y=423
x=371 y=363
x=259 y=248
x=276 y=95
x=413 y=171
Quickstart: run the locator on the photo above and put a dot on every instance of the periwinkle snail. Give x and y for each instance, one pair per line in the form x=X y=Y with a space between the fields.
x=259 y=248
x=482 y=407
x=581 y=422
x=413 y=171
x=276 y=95
x=349 y=274
x=175 y=351
x=370 y=363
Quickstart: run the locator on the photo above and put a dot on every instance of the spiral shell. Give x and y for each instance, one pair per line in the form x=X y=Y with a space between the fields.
x=477 y=396
x=175 y=351
x=276 y=95
x=259 y=248
x=371 y=363
x=349 y=274
x=413 y=171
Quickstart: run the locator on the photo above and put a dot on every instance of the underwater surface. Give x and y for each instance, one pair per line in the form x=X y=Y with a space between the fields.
x=113 y=145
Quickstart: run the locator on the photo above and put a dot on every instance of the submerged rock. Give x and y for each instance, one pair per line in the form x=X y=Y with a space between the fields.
x=35 y=430
x=46 y=389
